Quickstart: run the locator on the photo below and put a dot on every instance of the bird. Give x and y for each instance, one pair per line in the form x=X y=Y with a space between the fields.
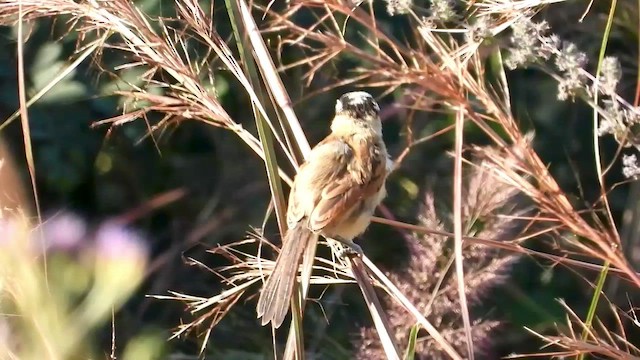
x=334 y=195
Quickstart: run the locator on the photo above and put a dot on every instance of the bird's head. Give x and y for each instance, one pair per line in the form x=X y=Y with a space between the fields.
x=356 y=110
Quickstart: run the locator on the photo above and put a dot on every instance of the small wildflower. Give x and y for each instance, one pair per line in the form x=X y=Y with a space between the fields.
x=120 y=258
x=62 y=232
x=570 y=58
x=607 y=127
x=550 y=43
x=613 y=120
x=529 y=43
x=571 y=61
x=610 y=75
x=621 y=122
x=569 y=87
x=117 y=242
x=119 y=267
x=427 y=23
x=480 y=30
x=443 y=10
x=632 y=116
x=630 y=168
x=398 y=7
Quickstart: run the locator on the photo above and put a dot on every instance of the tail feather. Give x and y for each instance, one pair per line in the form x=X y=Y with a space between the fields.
x=275 y=296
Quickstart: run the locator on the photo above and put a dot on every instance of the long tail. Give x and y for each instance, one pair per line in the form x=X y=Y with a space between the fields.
x=275 y=296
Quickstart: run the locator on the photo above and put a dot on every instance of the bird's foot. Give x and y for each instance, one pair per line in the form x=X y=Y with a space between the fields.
x=350 y=249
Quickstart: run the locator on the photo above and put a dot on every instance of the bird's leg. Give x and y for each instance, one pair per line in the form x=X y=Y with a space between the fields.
x=351 y=249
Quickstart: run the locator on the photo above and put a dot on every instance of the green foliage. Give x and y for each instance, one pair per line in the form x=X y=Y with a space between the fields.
x=410 y=351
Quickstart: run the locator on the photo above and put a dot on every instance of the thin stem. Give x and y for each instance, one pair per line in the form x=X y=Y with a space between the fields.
x=457 y=229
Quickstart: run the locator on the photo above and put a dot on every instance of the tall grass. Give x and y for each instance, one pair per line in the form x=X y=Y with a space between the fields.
x=456 y=62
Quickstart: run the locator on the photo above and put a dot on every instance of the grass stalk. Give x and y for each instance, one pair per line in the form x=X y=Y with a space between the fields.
x=593 y=306
x=457 y=226
x=241 y=22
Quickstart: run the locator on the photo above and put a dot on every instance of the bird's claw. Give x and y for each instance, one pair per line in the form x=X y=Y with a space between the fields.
x=350 y=250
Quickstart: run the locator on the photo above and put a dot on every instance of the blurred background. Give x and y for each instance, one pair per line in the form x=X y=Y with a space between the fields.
x=192 y=187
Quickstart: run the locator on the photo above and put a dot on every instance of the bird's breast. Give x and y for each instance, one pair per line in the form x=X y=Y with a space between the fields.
x=359 y=217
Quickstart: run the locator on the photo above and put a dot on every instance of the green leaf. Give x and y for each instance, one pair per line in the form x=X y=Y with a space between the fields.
x=410 y=352
x=65 y=92
x=46 y=55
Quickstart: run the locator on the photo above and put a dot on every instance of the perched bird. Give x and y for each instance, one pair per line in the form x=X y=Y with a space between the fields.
x=334 y=195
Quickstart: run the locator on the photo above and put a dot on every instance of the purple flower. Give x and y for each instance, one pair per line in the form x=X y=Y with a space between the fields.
x=115 y=241
x=63 y=232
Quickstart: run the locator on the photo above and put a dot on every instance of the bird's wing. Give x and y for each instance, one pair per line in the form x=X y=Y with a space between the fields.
x=336 y=177
x=327 y=161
